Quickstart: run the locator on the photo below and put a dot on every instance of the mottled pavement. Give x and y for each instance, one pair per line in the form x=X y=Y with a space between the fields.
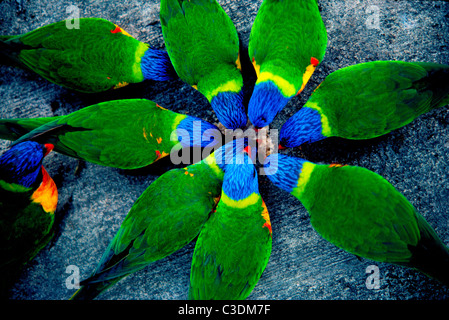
x=94 y=199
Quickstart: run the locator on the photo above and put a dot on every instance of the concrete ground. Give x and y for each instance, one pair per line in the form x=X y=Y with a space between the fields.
x=94 y=200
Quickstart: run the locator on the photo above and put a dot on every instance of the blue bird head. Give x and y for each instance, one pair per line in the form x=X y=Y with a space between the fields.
x=283 y=170
x=232 y=153
x=194 y=132
x=229 y=109
x=303 y=127
x=240 y=179
x=156 y=65
x=265 y=103
x=21 y=164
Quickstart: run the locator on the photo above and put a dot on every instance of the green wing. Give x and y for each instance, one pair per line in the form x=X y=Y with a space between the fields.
x=13 y=129
x=166 y=217
x=202 y=43
x=90 y=58
x=25 y=228
x=371 y=99
x=123 y=134
x=360 y=212
x=230 y=254
x=285 y=36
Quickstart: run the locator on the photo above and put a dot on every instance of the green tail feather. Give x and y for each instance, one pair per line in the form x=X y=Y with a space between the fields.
x=12 y=129
x=435 y=266
x=92 y=290
x=4 y=38
x=430 y=255
x=10 y=50
x=100 y=282
x=437 y=81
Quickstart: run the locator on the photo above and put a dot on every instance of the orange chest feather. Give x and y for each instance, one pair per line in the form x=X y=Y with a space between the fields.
x=47 y=193
x=120 y=30
x=266 y=217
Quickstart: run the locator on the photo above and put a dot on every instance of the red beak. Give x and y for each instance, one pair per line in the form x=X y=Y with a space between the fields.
x=248 y=150
x=281 y=147
x=49 y=148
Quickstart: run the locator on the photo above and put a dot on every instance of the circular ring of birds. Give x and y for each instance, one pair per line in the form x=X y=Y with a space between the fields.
x=202 y=49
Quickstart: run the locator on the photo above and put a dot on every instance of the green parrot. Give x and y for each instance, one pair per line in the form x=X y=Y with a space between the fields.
x=362 y=213
x=125 y=134
x=28 y=201
x=203 y=46
x=93 y=57
x=288 y=41
x=234 y=246
x=167 y=216
x=368 y=100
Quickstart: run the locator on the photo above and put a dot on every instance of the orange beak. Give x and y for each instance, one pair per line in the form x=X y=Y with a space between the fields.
x=49 y=148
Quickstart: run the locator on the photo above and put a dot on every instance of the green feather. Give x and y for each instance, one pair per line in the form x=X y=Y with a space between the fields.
x=232 y=249
x=362 y=213
x=285 y=36
x=89 y=59
x=202 y=44
x=124 y=134
x=25 y=228
x=166 y=217
x=12 y=129
x=371 y=99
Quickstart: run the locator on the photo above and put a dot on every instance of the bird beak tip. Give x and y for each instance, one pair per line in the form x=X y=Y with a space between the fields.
x=248 y=150
x=49 y=148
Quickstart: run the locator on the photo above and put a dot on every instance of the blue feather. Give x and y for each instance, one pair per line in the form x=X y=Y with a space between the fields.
x=240 y=179
x=22 y=163
x=265 y=103
x=156 y=65
x=231 y=153
x=283 y=170
x=303 y=127
x=194 y=132
x=229 y=109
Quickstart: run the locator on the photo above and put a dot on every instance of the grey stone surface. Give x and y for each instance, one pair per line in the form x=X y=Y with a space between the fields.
x=94 y=200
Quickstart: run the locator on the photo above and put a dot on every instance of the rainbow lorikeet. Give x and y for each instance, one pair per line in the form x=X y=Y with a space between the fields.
x=167 y=216
x=126 y=134
x=96 y=56
x=234 y=245
x=28 y=200
x=368 y=100
x=367 y=216
x=203 y=46
x=288 y=41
